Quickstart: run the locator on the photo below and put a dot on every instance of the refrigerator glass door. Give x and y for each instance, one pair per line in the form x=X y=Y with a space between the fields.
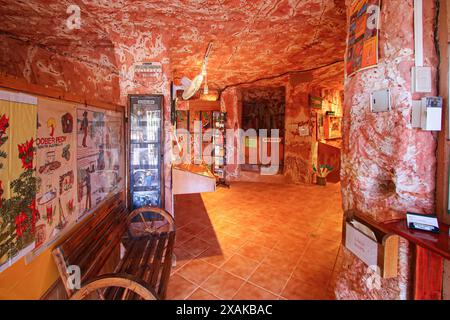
x=145 y=149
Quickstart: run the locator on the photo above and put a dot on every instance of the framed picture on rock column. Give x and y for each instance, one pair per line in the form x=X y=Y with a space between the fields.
x=362 y=49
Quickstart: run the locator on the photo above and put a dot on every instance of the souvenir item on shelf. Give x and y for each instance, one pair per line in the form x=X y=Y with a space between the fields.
x=219 y=149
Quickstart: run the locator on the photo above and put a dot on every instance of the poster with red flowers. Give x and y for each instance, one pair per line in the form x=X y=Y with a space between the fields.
x=18 y=211
x=55 y=169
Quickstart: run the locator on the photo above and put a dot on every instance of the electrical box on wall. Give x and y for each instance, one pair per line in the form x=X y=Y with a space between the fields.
x=380 y=101
x=427 y=114
x=421 y=80
x=303 y=131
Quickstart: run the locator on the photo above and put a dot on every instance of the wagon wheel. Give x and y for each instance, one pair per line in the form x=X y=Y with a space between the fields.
x=130 y=285
x=154 y=220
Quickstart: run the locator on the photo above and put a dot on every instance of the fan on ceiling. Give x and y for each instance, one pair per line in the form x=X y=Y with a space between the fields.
x=190 y=87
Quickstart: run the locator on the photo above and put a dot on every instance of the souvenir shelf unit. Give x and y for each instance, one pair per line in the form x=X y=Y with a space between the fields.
x=219 y=150
x=146 y=152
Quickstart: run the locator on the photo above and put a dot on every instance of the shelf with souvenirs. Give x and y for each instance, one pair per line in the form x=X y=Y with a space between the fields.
x=219 y=149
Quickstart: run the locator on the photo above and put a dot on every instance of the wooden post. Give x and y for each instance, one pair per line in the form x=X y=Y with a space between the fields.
x=443 y=152
x=428 y=275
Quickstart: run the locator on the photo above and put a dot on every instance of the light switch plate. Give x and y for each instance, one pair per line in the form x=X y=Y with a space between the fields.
x=303 y=131
x=380 y=101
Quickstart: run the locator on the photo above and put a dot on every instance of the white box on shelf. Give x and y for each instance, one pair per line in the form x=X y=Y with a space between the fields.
x=431 y=117
x=361 y=245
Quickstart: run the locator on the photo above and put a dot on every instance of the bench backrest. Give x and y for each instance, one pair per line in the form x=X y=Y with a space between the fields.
x=90 y=246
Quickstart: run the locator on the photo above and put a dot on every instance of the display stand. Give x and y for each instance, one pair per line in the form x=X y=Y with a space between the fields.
x=219 y=150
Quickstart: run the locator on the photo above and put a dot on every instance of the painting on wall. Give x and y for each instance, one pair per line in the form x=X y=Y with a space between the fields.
x=99 y=157
x=362 y=49
x=333 y=127
x=18 y=209
x=55 y=169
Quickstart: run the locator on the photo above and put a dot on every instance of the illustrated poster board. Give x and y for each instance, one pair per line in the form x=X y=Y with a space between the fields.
x=18 y=212
x=55 y=169
x=100 y=156
x=363 y=35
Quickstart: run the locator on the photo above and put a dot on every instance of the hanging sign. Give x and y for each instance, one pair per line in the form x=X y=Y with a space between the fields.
x=148 y=71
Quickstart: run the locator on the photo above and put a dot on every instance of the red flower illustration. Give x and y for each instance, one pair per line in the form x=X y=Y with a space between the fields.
x=34 y=215
x=26 y=154
x=4 y=124
x=21 y=224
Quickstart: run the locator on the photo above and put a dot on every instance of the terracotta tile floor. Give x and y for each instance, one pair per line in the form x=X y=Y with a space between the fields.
x=257 y=241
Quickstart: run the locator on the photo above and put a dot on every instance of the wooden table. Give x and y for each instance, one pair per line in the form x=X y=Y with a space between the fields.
x=430 y=251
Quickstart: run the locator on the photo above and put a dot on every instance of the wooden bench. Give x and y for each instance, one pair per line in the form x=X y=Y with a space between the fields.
x=107 y=271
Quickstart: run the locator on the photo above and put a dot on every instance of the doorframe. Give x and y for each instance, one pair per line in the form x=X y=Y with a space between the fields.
x=443 y=150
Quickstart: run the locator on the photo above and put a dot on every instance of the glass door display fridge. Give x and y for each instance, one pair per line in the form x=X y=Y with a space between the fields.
x=146 y=151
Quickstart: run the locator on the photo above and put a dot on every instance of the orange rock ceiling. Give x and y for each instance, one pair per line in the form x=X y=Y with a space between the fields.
x=252 y=39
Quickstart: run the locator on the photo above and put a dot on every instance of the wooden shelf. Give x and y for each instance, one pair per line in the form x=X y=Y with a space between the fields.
x=437 y=243
x=429 y=251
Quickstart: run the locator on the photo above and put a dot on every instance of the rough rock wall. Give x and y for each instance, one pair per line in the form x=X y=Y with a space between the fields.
x=298 y=148
x=387 y=167
x=89 y=72
x=231 y=102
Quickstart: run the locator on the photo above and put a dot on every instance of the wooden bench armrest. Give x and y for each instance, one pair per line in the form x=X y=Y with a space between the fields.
x=160 y=211
x=122 y=280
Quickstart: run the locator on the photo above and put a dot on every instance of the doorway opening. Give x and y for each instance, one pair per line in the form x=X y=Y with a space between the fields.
x=263 y=110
